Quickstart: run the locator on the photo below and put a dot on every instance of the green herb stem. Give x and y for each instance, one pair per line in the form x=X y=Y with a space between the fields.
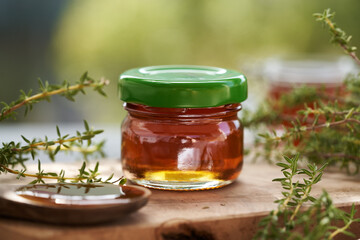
x=346 y=48
x=302 y=129
x=30 y=147
x=51 y=93
x=341 y=230
x=301 y=201
x=339 y=36
x=37 y=175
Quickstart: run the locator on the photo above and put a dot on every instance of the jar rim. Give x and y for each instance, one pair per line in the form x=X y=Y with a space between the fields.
x=182 y=113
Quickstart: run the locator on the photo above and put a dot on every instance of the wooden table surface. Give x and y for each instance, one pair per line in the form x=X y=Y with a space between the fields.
x=231 y=212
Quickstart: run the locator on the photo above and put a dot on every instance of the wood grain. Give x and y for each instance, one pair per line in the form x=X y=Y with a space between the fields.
x=230 y=213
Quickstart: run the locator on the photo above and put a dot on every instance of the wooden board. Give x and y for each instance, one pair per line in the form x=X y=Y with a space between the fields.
x=231 y=212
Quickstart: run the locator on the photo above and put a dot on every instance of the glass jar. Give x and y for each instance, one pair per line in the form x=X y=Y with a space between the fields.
x=323 y=74
x=182 y=131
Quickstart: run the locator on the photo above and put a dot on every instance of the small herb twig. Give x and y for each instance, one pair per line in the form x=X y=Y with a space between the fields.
x=298 y=193
x=325 y=133
x=47 y=90
x=12 y=154
x=89 y=176
x=338 y=35
x=289 y=221
x=61 y=142
x=43 y=175
x=314 y=176
x=86 y=150
x=301 y=129
x=348 y=219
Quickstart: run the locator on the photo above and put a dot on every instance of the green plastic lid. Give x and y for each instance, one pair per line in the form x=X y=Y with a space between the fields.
x=177 y=86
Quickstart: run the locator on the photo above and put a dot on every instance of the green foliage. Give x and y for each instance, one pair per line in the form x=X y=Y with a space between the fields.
x=325 y=128
x=290 y=221
x=338 y=36
x=325 y=132
x=13 y=154
x=269 y=111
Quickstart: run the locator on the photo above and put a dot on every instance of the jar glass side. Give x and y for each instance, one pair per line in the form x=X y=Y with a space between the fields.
x=182 y=148
x=323 y=74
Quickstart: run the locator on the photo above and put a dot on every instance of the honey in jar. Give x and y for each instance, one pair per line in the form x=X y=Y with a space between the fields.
x=182 y=131
x=323 y=74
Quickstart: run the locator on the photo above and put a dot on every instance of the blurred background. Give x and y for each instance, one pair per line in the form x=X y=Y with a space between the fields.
x=57 y=40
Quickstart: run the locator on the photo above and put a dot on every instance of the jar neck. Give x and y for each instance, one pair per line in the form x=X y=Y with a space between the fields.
x=220 y=112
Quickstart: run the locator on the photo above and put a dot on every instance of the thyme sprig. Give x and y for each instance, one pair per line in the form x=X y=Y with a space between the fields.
x=13 y=154
x=290 y=221
x=338 y=36
x=47 y=90
x=88 y=176
x=325 y=133
x=349 y=119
